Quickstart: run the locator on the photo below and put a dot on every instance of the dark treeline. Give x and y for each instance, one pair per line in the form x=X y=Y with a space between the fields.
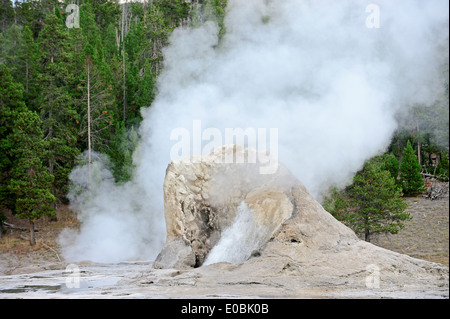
x=73 y=86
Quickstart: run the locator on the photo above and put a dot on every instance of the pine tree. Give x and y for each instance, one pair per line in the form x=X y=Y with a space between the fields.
x=157 y=31
x=6 y=15
x=30 y=181
x=11 y=102
x=371 y=204
x=96 y=113
x=28 y=57
x=146 y=87
x=442 y=168
x=106 y=12
x=410 y=178
x=390 y=163
x=10 y=46
x=55 y=103
x=140 y=78
x=123 y=23
x=121 y=152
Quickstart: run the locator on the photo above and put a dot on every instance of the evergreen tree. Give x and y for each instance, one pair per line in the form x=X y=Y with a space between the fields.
x=55 y=103
x=442 y=168
x=28 y=58
x=7 y=15
x=105 y=13
x=10 y=45
x=336 y=203
x=135 y=46
x=146 y=87
x=11 y=102
x=410 y=178
x=33 y=13
x=96 y=112
x=390 y=163
x=371 y=204
x=175 y=11
x=30 y=180
x=121 y=152
x=157 y=33
x=110 y=42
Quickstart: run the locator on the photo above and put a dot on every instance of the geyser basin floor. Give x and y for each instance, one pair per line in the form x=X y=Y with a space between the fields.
x=280 y=278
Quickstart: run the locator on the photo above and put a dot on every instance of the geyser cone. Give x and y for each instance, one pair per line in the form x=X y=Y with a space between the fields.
x=231 y=211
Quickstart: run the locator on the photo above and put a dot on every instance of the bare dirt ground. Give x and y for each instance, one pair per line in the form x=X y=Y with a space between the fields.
x=16 y=254
x=426 y=236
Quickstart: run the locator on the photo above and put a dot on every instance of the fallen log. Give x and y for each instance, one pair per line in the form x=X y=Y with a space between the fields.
x=18 y=227
x=436 y=191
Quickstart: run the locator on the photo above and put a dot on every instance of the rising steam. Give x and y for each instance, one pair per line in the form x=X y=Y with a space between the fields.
x=312 y=69
x=240 y=240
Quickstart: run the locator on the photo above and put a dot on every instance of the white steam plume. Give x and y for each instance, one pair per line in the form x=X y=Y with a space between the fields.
x=312 y=69
x=240 y=240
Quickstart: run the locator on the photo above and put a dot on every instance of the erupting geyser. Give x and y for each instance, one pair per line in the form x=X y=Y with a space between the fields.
x=314 y=70
x=244 y=228
x=218 y=212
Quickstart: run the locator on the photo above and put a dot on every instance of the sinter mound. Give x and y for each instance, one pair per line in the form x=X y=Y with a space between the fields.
x=296 y=236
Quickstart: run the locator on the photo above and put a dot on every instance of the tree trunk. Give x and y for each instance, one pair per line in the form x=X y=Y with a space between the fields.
x=145 y=10
x=32 y=238
x=367 y=235
x=26 y=77
x=15 y=14
x=366 y=229
x=124 y=88
x=51 y=160
x=124 y=8
x=50 y=133
x=50 y=138
x=419 y=151
x=89 y=112
x=117 y=39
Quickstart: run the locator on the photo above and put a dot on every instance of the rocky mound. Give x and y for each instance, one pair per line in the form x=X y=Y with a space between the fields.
x=204 y=198
x=269 y=229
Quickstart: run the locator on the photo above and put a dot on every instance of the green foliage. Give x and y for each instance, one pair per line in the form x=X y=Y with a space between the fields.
x=105 y=12
x=28 y=58
x=30 y=180
x=388 y=162
x=55 y=103
x=372 y=204
x=10 y=46
x=175 y=11
x=92 y=62
x=11 y=102
x=336 y=203
x=391 y=164
x=210 y=10
x=411 y=180
x=146 y=88
x=121 y=154
x=442 y=168
x=6 y=15
x=215 y=11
